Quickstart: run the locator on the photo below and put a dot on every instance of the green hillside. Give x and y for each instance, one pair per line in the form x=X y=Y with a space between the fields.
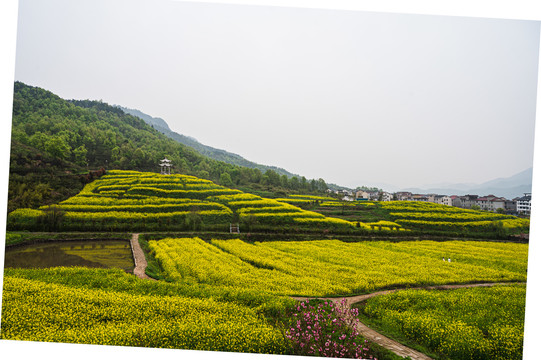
x=78 y=135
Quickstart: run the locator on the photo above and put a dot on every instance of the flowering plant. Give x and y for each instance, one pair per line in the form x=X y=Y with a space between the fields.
x=327 y=329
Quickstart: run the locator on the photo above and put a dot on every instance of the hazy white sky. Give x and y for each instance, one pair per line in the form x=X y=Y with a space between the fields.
x=356 y=98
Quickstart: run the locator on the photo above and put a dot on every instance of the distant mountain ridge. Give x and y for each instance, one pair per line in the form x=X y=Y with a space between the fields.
x=510 y=187
x=216 y=154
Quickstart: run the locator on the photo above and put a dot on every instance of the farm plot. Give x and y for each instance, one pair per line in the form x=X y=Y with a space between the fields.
x=429 y=216
x=77 y=306
x=474 y=323
x=332 y=267
x=129 y=200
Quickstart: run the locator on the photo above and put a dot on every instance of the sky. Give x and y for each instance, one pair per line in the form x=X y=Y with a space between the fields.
x=356 y=98
x=510 y=9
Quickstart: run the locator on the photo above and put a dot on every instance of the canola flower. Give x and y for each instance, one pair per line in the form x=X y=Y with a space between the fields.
x=332 y=267
x=337 y=203
x=39 y=311
x=294 y=201
x=424 y=215
x=474 y=323
x=130 y=200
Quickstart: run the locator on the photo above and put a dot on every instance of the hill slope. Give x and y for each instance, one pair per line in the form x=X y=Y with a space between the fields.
x=82 y=134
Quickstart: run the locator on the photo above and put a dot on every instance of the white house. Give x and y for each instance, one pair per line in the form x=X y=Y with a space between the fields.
x=386 y=196
x=524 y=204
x=443 y=200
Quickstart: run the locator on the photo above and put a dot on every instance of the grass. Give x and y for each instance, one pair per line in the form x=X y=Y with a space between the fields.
x=26 y=237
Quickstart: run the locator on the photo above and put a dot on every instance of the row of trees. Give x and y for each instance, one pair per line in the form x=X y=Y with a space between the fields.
x=245 y=176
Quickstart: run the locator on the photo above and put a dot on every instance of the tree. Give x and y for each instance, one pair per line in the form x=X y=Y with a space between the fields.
x=225 y=180
x=304 y=183
x=274 y=177
x=58 y=147
x=284 y=181
x=38 y=140
x=79 y=155
x=321 y=185
x=294 y=183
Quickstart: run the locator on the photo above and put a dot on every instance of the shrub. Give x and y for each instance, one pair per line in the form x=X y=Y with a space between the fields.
x=327 y=329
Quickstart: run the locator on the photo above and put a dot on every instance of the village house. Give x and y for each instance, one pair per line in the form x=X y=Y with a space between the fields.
x=386 y=196
x=419 y=197
x=490 y=203
x=510 y=206
x=403 y=196
x=524 y=204
x=466 y=201
x=443 y=200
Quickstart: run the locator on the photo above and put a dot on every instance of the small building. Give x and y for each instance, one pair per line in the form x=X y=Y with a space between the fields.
x=362 y=195
x=443 y=200
x=510 y=206
x=403 y=195
x=466 y=201
x=419 y=197
x=524 y=204
x=386 y=196
x=165 y=166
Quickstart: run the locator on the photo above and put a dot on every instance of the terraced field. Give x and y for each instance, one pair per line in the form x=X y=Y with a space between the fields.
x=133 y=201
x=425 y=217
x=136 y=201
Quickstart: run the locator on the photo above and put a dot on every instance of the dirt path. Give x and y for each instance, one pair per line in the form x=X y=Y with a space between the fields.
x=358 y=298
x=382 y=340
x=139 y=258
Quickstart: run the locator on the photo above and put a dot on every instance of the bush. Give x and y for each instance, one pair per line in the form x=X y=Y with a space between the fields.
x=327 y=329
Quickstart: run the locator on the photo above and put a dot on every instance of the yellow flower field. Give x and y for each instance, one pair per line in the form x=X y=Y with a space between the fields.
x=333 y=267
x=40 y=311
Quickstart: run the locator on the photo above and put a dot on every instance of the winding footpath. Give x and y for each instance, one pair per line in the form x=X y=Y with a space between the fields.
x=139 y=258
x=382 y=340
x=364 y=330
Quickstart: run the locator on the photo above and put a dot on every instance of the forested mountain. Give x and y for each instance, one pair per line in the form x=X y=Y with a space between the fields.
x=213 y=153
x=79 y=135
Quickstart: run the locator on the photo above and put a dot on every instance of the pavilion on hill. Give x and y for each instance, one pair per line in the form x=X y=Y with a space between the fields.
x=165 y=166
